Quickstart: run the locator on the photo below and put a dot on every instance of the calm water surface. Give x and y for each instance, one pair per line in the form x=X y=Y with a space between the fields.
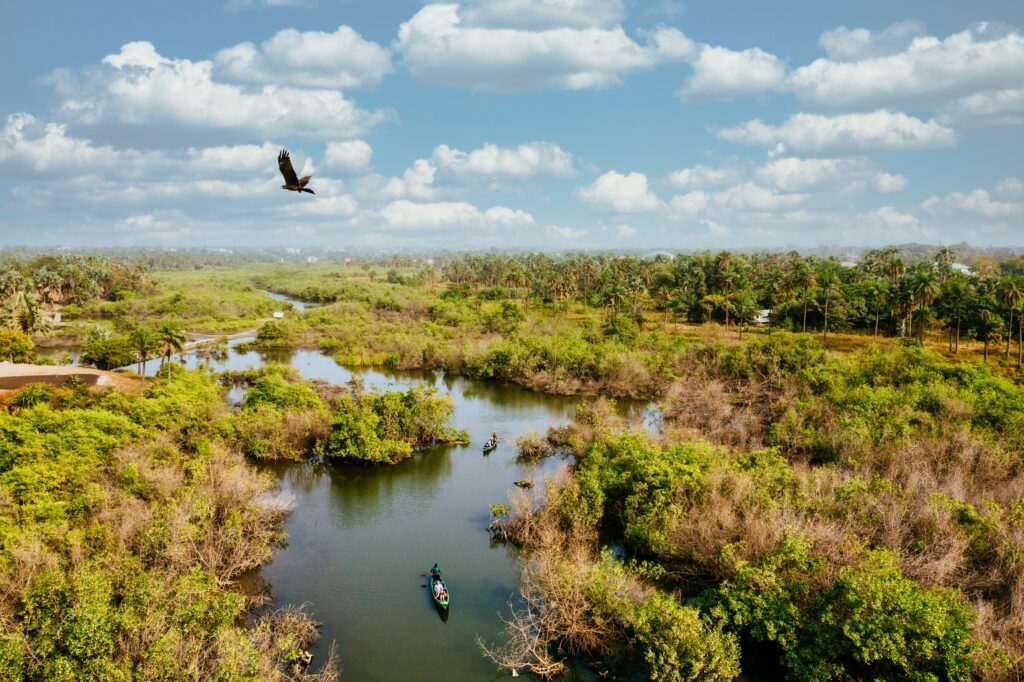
x=360 y=537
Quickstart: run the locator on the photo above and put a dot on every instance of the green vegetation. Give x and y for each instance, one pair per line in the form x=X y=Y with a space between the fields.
x=877 y=537
x=124 y=521
x=385 y=428
x=843 y=503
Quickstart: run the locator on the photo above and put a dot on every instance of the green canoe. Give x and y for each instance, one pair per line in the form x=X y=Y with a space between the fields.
x=490 y=445
x=435 y=579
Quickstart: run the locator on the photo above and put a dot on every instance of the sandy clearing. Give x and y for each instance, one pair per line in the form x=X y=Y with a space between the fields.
x=15 y=375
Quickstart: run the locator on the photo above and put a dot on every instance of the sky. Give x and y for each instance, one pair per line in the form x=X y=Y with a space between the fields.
x=515 y=124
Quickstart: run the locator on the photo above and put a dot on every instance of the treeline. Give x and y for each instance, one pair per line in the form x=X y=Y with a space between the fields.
x=854 y=517
x=31 y=287
x=882 y=293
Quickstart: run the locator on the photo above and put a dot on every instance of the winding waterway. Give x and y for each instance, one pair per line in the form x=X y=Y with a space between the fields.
x=360 y=537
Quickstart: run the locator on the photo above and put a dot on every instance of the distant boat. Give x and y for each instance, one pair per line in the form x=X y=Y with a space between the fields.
x=440 y=596
x=490 y=445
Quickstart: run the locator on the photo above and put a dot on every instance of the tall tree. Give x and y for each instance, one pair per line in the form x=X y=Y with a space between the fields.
x=924 y=285
x=829 y=287
x=170 y=341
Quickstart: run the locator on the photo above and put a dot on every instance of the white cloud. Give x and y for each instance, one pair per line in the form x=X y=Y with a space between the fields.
x=843 y=44
x=888 y=182
x=566 y=232
x=847 y=174
x=416 y=182
x=929 y=72
x=351 y=156
x=626 y=230
x=533 y=14
x=791 y=174
x=751 y=196
x=342 y=59
x=28 y=145
x=890 y=226
x=981 y=203
x=701 y=176
x=145 y=222
x=534 y=158
x=815 y=133
x=620 y=193
x=996 y=107
x=689 y=204
x=138 y=87
x=439 y=47
x=404 y=214
x=716 y=229
x=721 y=73
x=1012 y=187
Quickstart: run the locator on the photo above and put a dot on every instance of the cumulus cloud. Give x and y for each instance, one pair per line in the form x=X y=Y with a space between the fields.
x=843 y=44
x=704 y=176
x=620 y=193
x=404 y=214
x=929 y=72
x=721 y=73
x=982 y=203
x=566 y=232
x=791 y=174
x=888 y=182
x=351 y=156
x=996 y=107
x=342 y=59
x=689 y=204
x=816 y=133
x=438 y=46
x=534 y=158
x=533 y=14
x=416 y=182
x=138 y=87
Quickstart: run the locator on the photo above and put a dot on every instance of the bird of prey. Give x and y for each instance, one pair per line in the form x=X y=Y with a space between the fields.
x=292 y=182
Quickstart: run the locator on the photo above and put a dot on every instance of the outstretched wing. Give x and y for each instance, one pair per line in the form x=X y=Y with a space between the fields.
x=304 y=181
x=284 y=162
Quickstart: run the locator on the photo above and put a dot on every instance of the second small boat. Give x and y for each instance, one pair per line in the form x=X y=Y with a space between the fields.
x=491 y=443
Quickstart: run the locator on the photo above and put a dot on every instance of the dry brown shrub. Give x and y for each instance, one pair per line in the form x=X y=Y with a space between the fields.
x=533 y=446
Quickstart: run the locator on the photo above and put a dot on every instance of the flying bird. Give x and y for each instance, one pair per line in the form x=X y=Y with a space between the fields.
x=292 y=182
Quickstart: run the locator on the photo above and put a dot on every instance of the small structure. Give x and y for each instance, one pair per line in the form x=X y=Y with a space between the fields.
x=763 y=317
x=963 y=269
x=278 y=314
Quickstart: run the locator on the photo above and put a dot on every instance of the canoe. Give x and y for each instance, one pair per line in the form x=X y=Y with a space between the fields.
x=442 y=602
x=490 y=445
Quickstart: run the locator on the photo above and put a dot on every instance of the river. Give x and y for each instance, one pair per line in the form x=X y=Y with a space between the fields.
x=360 y=536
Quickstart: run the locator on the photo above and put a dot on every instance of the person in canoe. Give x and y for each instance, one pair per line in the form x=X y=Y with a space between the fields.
x=492 y=443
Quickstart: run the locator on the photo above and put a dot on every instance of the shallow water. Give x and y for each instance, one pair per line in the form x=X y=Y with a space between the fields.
x=360 y=537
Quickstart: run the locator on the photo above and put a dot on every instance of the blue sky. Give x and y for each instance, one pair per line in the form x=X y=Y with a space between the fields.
x=557 y=124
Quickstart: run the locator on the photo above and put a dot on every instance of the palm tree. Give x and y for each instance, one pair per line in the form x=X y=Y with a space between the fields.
x=830 y=287
x=958 y=293
x=925 y=287
x=805 y=282
x=145 y=342
x=171 y=341
x=877 y=292
x=1011 y=293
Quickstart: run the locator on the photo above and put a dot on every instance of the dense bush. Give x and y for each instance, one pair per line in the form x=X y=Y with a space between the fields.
x=384 y=428
x=16 y=346
x=124 y=521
